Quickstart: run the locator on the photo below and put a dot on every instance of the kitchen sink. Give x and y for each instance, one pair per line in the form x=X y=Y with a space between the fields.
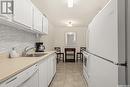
x=36 y=55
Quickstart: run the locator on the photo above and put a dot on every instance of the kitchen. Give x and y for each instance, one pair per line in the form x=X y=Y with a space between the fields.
x=102 y=27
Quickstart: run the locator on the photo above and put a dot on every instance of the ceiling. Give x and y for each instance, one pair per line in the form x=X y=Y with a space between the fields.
x=59 y=14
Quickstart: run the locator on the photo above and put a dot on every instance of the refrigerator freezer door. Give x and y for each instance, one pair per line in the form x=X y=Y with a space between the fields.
x=103 y=33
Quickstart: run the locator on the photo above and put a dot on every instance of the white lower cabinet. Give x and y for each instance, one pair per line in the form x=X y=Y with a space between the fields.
x=54 y=65
x=49 y=70
x=38 y=75
x=43 y=74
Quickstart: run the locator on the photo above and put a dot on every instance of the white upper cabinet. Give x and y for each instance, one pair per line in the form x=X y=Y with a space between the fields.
x=45 y=25
x=37 y=19
x=23 y=12
x=25 y=15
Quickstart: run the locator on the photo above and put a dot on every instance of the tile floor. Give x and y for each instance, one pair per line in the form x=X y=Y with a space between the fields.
x=69 y=75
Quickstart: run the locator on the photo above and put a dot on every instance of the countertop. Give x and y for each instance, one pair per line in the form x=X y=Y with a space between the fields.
x=11 y=67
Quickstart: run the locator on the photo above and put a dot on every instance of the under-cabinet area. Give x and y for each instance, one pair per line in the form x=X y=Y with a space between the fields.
x=38 y=73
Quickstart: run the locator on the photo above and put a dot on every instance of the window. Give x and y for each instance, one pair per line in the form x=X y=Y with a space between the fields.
x=70 y=38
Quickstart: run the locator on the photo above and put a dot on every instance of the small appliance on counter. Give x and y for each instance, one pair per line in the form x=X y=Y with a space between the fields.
x=13 y=53
x=39 y=47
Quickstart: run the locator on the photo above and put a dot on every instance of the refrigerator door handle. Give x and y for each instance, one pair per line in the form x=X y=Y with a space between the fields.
x=118 y=64
x=122 y=64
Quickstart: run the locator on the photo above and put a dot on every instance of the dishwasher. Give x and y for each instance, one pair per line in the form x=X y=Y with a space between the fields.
x=27 y=78
x=32 y=81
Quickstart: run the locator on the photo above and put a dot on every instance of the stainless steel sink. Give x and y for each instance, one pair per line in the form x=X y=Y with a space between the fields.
x=35 y=55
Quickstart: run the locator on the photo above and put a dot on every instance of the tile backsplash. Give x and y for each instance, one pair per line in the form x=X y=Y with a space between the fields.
x=11 y=37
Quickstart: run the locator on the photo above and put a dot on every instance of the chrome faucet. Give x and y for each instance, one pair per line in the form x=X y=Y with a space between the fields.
x=26 y=49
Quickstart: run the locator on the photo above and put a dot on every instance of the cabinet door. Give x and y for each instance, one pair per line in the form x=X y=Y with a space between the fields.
x=23 y=12
x=52 y=70
x=31 y=82
x=49 y=70
x=43 y=74
x=45 y=25
x=54 y=65
x=37 y=19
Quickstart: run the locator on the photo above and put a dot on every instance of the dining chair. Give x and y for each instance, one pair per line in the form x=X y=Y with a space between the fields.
x=70 y=54
x=80 y=54
x=60 y=55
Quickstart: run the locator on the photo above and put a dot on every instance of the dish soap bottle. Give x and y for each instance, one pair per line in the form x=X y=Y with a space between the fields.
x=13 y=53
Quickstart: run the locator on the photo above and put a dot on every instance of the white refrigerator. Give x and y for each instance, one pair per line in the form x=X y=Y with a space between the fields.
x=107 y=62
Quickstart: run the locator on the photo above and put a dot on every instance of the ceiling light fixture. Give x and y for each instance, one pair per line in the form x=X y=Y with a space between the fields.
x=70 y=3
x=70 y=24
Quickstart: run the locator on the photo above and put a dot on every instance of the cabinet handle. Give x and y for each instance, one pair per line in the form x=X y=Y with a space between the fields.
x=11 y=80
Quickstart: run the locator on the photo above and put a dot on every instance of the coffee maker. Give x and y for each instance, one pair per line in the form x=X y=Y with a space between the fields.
x=39 y=47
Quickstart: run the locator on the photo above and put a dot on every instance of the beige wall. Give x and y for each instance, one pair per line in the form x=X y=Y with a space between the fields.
x=48 y=40
x=59 y=36
x=56 y=37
